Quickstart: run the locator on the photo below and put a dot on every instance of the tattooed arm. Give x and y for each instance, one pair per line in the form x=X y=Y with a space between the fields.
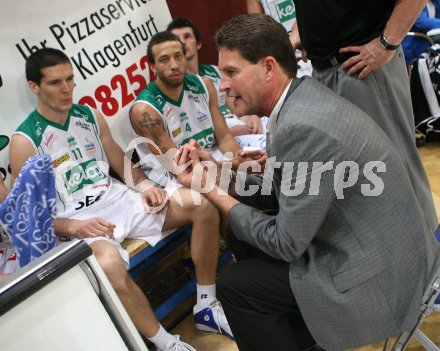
x=154 y=198
x=148 y=123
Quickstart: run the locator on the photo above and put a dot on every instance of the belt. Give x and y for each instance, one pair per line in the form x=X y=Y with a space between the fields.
x=336 y=60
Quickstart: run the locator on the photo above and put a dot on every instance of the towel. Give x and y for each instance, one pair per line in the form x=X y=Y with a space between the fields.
x=28 y=212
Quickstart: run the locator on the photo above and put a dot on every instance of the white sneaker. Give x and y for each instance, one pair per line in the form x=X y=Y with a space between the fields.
x=212 y=319
x=177 y=345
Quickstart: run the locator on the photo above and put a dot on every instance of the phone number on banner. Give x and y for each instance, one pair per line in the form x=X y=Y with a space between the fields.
x=104 y=99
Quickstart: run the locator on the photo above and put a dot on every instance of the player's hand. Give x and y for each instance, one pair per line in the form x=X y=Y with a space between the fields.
x=92 y=228
x=241 y=129
x=201 y=169
x=155 y=199
x=3 y=189
x=184 y=154
x=253 y=122
x=370 y=57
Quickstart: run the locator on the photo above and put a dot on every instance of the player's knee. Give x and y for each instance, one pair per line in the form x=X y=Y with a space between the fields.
x=207 y=210
x=112 y=264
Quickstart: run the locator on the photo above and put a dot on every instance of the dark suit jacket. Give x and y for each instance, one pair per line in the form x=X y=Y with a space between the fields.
x=358 y=264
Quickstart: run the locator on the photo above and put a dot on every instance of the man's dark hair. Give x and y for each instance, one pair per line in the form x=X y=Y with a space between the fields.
x=256 y=36
x=158 y=38
x=181 y=22
x=45 y=57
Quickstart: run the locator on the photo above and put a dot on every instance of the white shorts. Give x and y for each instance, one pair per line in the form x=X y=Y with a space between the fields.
x=250 y=141
x=124 y=208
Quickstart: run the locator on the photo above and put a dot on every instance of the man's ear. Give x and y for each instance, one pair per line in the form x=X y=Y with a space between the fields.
x=269 y=64
x=34 y=87
x=198 y=45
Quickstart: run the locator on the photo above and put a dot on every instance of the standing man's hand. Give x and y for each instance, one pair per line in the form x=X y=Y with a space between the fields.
x=370 y=56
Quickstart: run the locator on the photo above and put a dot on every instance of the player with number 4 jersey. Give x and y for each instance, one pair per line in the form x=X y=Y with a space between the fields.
x=188 y=117
x=174 y=109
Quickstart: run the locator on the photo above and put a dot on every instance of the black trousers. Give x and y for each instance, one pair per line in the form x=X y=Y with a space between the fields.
x=259 y=303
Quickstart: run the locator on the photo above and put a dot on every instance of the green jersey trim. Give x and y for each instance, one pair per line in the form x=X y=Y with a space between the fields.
x=64 y=126
x=35 y=124
x=209 y=71
x=155 y=96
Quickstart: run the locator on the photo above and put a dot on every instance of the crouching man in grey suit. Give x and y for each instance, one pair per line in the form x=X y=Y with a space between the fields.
x=345 y=260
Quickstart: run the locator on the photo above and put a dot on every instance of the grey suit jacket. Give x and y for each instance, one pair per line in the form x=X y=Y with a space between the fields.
x=358 y=264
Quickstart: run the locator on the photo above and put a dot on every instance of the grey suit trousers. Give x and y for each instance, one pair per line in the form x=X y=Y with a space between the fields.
x=256 y=296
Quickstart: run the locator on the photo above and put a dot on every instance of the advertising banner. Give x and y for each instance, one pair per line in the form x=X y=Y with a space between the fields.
x=106 y=42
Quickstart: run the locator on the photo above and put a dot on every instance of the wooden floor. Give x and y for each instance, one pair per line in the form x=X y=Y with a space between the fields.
x=430 y=154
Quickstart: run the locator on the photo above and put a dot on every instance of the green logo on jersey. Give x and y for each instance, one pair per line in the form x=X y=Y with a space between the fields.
x=159 y=100
x=81 y=175
x=71 y=141
x=286 y=10
x=204 y=138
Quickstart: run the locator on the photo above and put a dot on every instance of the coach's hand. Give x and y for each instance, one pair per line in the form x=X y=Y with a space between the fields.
x=255 y=159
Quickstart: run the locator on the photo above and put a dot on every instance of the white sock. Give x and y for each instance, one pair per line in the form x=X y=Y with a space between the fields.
x=162 y=338
x=205 y=294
